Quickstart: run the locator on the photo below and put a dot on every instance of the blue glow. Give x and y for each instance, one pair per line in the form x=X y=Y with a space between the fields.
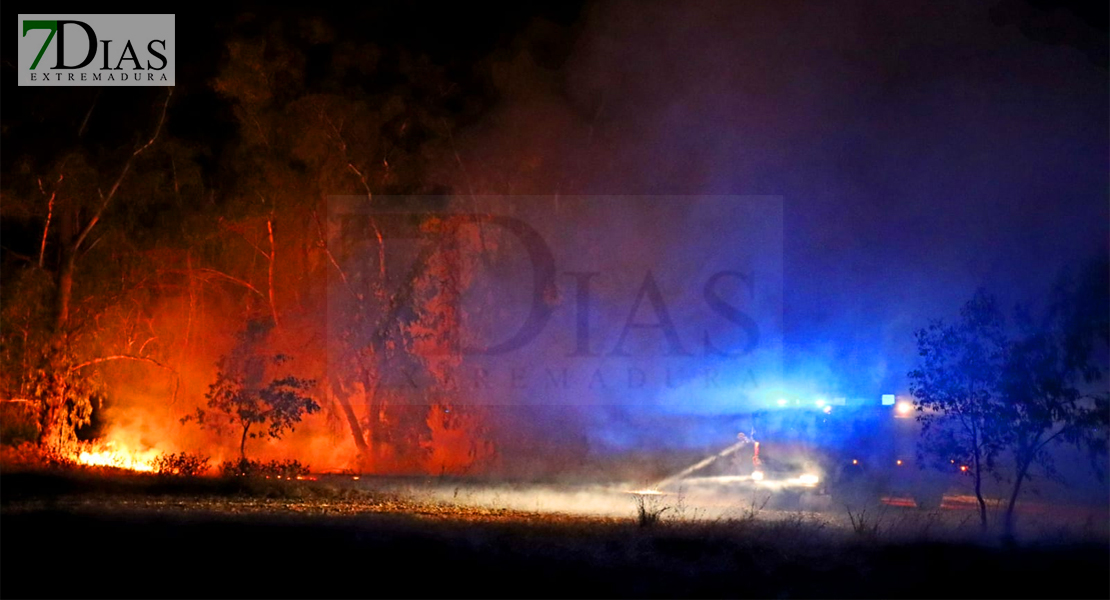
x=888 y=399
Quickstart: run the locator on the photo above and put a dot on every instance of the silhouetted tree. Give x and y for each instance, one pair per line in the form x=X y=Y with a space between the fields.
x=986 y=388
x=242 y=398
x=1051 y=383
x=955 y=389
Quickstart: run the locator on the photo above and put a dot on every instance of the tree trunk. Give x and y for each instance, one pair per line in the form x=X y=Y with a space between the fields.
x=270 y=272
x=64 y=282
x=1023 y=468
x=356 y=429
x=243 y=442
x=374 y=413
x=979 y=493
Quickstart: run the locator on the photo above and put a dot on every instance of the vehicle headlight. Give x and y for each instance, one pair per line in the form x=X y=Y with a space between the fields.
x=757 y=475
x=809 y=479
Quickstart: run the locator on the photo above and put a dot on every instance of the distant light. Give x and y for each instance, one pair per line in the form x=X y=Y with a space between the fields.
x=904 y=408
x=855 y=461
x=828 y=409
x=782 y=401
x=898 y=462
x=757 y=475
x=963 y=468
x=888 y=399
x=820 y=402
x=808 y=479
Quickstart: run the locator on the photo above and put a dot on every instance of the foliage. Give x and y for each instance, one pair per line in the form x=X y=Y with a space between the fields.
x=280 y=469
x=36 y=369
x=70 y=263
x=236 y=398
x=31 y=456
x=955 y=388
x=25 y=298
x=1052 y=382
x=65 y=397
x=986 y=388
x=124 y=244
x=181 y=464
x=19 y=422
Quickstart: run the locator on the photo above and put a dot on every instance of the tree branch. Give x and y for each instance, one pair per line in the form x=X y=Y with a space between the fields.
x=46 y=226
x=331 y=258
x=270 y=272
x=1044 y=443
x=241 y=282
x=17 y=255
x=103 y=359
x=119 y=180
x=366 y=187
x=88 y=115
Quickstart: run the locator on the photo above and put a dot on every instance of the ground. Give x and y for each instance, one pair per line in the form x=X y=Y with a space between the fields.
x=93 y=535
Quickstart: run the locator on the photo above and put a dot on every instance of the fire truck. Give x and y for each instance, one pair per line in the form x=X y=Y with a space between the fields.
x=827 y=451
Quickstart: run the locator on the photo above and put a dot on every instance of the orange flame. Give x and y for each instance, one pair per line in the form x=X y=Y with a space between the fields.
x=109 y=454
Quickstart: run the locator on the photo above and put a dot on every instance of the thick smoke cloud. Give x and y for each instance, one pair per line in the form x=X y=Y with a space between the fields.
x=922 y=150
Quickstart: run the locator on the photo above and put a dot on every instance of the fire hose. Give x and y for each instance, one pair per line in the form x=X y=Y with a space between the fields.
x=743 y=441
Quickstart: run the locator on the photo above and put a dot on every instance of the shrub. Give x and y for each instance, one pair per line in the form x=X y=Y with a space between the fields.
x=31 y=456
x=181 y=464
x=285 y=468
x=864 y=525
x=649 y=509
x=278 y=469
x=18 y=423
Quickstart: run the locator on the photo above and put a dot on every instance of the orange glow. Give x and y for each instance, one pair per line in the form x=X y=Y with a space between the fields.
x=963 y=468
x=456 y=445
x=898 y=462
x=112 y=455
